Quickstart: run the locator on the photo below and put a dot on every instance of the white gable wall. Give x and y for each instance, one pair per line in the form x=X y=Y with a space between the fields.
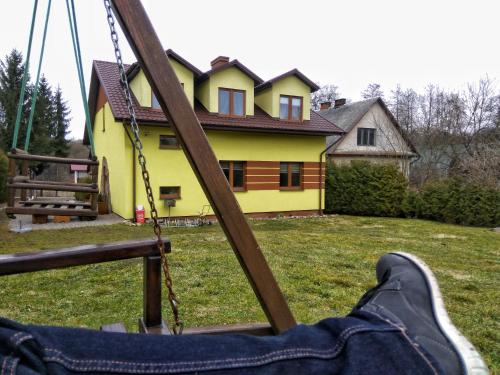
x=387 y=138
x=388 y=141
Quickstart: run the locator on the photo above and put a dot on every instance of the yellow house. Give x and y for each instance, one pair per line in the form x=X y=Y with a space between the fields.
x=267 y=139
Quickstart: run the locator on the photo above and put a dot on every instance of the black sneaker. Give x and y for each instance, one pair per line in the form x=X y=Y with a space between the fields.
x=409 y=296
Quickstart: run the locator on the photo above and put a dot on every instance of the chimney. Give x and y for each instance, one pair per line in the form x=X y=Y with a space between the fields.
x=325 y=105
x=219 y=61
x=339 y=103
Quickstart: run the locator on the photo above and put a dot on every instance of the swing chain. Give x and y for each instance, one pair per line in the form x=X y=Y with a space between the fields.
x=137 y=143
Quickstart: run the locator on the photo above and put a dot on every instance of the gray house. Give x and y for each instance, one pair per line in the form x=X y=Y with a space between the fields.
x=372 y=134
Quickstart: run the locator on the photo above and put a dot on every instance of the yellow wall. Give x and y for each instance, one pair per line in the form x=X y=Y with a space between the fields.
x=231 y=78
x=142 y=90
x=287 y=86
x=264 y=100
x=171 y=168
x=113 y=144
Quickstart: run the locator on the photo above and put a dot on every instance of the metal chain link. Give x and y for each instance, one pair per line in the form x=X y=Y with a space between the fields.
x=177 y=326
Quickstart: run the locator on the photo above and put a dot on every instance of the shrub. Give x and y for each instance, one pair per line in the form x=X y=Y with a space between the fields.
x=363 y=188
x=4 y=169
x=455 y=201
x=381 y=190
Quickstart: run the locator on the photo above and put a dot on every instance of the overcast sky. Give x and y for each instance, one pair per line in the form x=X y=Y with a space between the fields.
x=349 y=43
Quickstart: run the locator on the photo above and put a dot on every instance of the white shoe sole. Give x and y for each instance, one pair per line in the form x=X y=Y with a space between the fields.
x=472 y=362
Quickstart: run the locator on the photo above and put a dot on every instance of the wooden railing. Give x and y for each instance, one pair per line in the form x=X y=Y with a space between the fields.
x=151 y=321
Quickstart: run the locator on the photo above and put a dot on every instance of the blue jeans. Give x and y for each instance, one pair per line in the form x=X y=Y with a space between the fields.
x=361 y=343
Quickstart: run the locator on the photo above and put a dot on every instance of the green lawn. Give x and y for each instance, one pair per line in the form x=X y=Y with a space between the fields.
x=323 y=266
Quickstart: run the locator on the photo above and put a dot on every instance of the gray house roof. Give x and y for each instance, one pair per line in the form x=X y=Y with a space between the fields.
x=347 y=116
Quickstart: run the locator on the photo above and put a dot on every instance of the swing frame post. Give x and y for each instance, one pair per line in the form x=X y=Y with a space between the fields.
x=11 y=192
x=153 y=60
x=24 y=172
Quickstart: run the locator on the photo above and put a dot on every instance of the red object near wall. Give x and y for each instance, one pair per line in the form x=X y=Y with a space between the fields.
x=139 y=214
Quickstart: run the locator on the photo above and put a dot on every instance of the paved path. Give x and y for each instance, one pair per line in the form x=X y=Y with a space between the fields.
x=22 y=223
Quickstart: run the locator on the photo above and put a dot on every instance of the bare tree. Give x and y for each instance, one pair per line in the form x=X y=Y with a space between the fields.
x=404 y=106
x=373 y=90
x=327 y=93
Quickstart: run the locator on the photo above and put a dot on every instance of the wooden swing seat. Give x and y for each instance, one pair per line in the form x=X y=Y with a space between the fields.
x=42 y=208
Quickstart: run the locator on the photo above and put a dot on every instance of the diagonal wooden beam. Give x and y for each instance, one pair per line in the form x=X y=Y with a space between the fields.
x=154 y=62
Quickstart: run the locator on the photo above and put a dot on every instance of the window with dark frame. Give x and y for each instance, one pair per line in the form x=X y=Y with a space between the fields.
x=290 y=108
x=170 y=192
x=168 y=142
x=232 y=102
x=235 y=174
x=366 y=137
x=155 y=104
x=290 y=175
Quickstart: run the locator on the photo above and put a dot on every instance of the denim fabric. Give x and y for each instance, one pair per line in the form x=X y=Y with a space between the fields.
x=361 y=343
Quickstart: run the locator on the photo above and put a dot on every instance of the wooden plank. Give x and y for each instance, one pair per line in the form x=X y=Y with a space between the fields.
x=52 y=159
x=50 y=211
x=24 y=171
x=93 y=198
x=114 y=327
x=152 y=291
x=18 y=151
x=39 y=219
x=74 y=204
x=78 y=256
x=254 y=329
x=11 y=193
x=154 y=62
x=56 y=183
x=42 y=186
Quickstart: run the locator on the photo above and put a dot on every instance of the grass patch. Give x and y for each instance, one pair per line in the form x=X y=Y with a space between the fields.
x=323 y=266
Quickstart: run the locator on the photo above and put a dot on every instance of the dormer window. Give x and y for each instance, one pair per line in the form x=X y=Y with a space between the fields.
x=155 y=104
x=290 y=108
x=231 y=102
x=154 y=101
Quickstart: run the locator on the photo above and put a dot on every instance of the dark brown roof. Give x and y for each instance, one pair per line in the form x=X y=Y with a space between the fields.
x=106 y=74
x=293 y=72
x=234 y=63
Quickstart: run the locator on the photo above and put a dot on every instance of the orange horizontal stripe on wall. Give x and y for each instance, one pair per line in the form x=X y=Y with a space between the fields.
x=263 y=164
x=313 y=164
x=262 y=172
x=275 y=179
x=263 y=186
x=312 y=185
x=313 y=178
x=311 y=172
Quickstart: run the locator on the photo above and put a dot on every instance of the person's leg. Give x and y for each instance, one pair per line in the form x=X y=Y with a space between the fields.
x=359 y=344
x=395 y=329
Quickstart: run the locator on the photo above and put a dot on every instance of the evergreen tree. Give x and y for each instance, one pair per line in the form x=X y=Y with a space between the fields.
x=11 y=75
x=60 y=124
x=43 y=124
